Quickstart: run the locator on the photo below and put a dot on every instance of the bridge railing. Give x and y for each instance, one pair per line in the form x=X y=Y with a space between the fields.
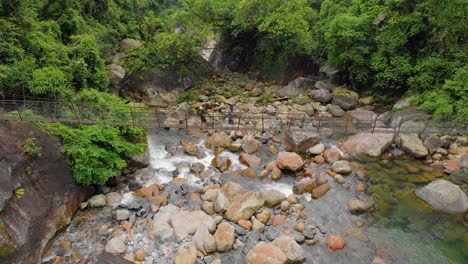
x=263 y=121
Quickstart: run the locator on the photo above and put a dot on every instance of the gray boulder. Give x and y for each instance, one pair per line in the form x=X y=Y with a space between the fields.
x=413 y=145
x=345 y=98
x=369 y=144
x=445 y=196
x=97 y=201
x=300 y=141
x=299 y=86
x=322 y=95
x=341 y=167
x=115 y=246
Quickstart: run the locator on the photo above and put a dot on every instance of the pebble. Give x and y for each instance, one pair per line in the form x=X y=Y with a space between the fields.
x=300 y=227
x=285 y=205
x=299 y=238
x=309 y=232
x=311 y=242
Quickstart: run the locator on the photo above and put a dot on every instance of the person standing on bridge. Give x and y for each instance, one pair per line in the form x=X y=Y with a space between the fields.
x=202 y=114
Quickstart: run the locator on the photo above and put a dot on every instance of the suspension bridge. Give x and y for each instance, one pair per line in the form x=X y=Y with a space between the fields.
x=262 y=121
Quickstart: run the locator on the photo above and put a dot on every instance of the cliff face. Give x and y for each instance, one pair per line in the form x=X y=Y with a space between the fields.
x=38 y=195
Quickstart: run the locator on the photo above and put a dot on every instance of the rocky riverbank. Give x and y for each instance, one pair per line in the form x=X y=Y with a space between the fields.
x=200 y=202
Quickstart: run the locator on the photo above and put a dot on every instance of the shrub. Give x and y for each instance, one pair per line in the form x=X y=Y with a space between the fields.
x=185 y=96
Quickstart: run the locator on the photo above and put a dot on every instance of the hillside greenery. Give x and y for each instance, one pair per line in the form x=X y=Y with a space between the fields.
x=60 y=48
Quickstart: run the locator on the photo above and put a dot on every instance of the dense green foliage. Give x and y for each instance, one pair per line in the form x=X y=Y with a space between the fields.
x=388 y=46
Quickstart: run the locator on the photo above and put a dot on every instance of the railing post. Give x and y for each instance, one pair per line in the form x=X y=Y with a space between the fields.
x=289 y=120
x=399 y=126
x=318 y=128
x=19 y=113
x=238 y=121
x=74 y=112
x=131 y=114
x=212 y=120
x=263 y=124
x=186 y=119
x=347 y=120
x=373 y=126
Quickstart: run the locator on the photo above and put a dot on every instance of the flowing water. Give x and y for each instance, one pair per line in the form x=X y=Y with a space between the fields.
x=402 y=230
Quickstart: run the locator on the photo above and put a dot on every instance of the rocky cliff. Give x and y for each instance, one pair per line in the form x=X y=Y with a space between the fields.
x=38 y=195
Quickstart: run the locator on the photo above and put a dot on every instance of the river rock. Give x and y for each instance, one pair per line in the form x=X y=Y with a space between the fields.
x=257 y=225
x=97 y=201
x=356 y=206
x=115 y=246
x=292 y=250
x=224 y=237
x=317 y=149
x=264 y=216
x=264 y=253
x=335 y=110
x=463 y=163
x=250 y=144
x=289 y=161
x=304 y=185
x=244 y=206
x=197 y=168
x=320 y=191
x=223 y=164
x=160 y=228
x=445 y=196
x=331 y=155
x=404 y=102
x=335 y=243
x=122 y=214
x=219 y=139
x=189 y=149
x=249 y=173
x=369 y=144
x=185 y=223
x=273 y=198
x=341 y=167
x=113 y=199
x=361 y=117
x=204 y=241
x=127 y=44
x=412 y=127
x=187 y=254
x=249 y=160
x=221 y=203
x=322 y=95
x=345 y=98
x=432 y=143
x=296 y=87
x=300 y=141
x=413 y=145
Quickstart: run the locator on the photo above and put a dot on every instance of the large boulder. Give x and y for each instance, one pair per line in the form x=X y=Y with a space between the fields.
x=289 y=161
x=413 y=145
x=341 y=167
x=249 y=160
x=432 y=143
x=250 y=144
x=185 y=223
x=322 y=95
x=160 y=229
x=345 y=98
x=187 y=254
x=290 y=248
x=404 y=102
x=299 y=86
x=219 y=139
x=273 y=198
x=127 y=44
x=116 y=74
x=445 y=196
x=300 y=141
x=51 y=196
x=223 y=164
x=368 y=144
x=264 y=253
x=244 y=206
x=360 y=117
x=204 y=241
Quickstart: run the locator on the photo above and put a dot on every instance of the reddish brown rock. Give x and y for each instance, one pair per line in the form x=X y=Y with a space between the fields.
x=289 y=161
x=149 y=191
x=335 y=243
x=244 y=206
x=140 y=255
x=224 y=237
x=249 y=173
x=320 y=191
x=221 y=163
x=331 y=155
x=245 y=224
x=264 y=253
x=278 y=220
x=263 y=216
x=250 y=160
x=276 y=174
x=304 y=185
